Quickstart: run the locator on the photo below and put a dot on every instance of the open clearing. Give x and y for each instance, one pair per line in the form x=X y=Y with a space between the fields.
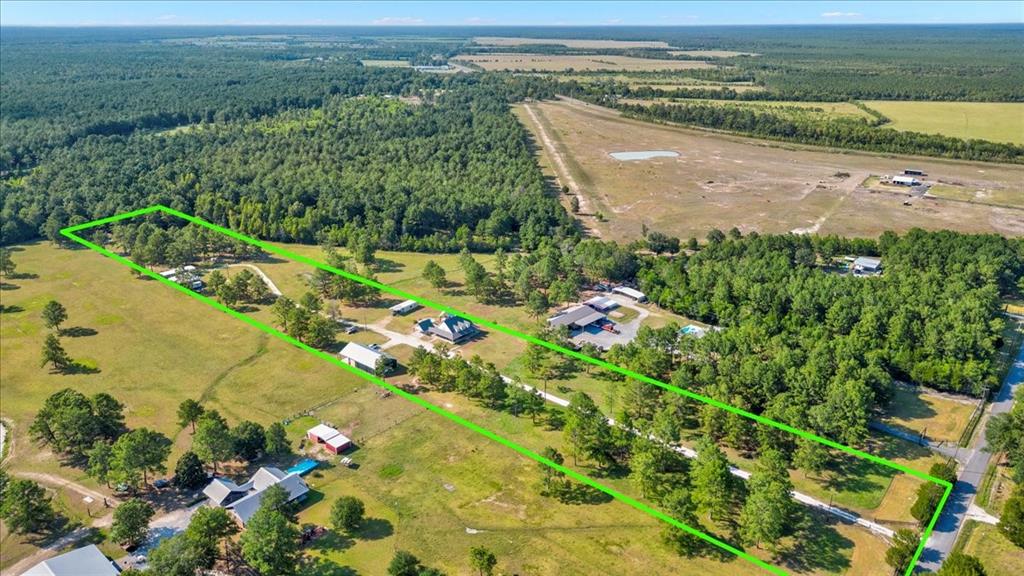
x=720 y=181
x=711 y=53
x=559 y=62
x=938 y=417
x=567 y=42
x=994 y=121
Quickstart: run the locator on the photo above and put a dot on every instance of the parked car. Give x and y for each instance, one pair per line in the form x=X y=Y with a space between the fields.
x=351 y=329
x=161 y=483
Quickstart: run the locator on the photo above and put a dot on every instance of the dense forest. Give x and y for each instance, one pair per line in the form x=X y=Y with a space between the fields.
x=437 y=177
x=820 y=350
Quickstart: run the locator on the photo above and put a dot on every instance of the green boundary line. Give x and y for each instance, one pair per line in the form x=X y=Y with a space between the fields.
x=70 y=231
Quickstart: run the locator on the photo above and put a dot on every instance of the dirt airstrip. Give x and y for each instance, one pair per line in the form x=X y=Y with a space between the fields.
x=721 y=181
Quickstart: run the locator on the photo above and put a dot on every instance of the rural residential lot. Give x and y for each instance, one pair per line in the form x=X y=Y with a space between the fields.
x=398 y=297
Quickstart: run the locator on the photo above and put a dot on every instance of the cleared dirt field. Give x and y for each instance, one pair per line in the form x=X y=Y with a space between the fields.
x=721 y=181
x=995 y=121
x=559 y=62
x=570 y=43
x=385 y=63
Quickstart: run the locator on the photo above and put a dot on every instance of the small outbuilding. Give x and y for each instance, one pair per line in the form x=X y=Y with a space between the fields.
x=321 y=433
x=403 y=308
x=631 y=293
x=602 y=304
x=368 y=359
x=905 y=181
x=338 y=444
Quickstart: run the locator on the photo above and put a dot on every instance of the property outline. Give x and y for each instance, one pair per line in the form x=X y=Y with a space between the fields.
x=69 y=232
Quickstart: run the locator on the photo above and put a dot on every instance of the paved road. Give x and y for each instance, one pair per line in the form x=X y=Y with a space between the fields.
x=960 y=501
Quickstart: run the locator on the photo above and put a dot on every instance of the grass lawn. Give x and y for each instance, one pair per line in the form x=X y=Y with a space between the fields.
x=998 y=555
x=937 y=417
x=994 y=121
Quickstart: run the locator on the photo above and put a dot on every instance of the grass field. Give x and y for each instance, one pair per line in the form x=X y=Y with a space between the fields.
x=937 y=417
x=567 y=42
x=385 y=63
x=720 y=181
x=994 y=121
x=424 y=479
x=997 y=554
x=711 y=53
x=563 y=62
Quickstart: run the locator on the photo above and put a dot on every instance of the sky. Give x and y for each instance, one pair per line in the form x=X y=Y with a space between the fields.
x=623 y=13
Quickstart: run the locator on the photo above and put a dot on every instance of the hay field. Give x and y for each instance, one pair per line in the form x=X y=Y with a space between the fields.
x=994 y=121
x=561 y=62
x=721 y=181
x=567 y=42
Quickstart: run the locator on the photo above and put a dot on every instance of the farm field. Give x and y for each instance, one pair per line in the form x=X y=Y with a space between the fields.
x=567 y=42
x=711 y=53
x=561 y=62
x=994 y=121
x=720 y=181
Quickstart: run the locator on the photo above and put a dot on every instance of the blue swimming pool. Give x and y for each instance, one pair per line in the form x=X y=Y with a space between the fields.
x=303 y=467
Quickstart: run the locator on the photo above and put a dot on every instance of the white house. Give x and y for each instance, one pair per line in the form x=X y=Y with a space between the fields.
x=905 y=181
x=243 y=500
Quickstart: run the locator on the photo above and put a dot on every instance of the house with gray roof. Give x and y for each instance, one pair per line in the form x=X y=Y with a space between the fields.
x=84 y=561
x=577 y=318
x=243 y=500
x=453 y=329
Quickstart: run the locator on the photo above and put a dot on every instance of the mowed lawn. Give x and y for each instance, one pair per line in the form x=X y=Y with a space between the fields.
x=994 y=121
x=937 y=417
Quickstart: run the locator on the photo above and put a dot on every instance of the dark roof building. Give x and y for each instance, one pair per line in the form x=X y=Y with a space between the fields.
x=577 y=318
x=453 y=329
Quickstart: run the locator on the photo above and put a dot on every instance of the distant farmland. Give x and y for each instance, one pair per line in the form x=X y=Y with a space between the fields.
x=560 y=62
x=569 y=43
x=997 y=122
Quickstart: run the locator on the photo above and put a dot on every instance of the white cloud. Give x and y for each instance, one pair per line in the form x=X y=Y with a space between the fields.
x=167 y=17
x=398 y=21
x=476 y=21
x=613 y=21
x=841 y=15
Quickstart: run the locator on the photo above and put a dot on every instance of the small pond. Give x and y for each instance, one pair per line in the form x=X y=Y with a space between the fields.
x=644 y=154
